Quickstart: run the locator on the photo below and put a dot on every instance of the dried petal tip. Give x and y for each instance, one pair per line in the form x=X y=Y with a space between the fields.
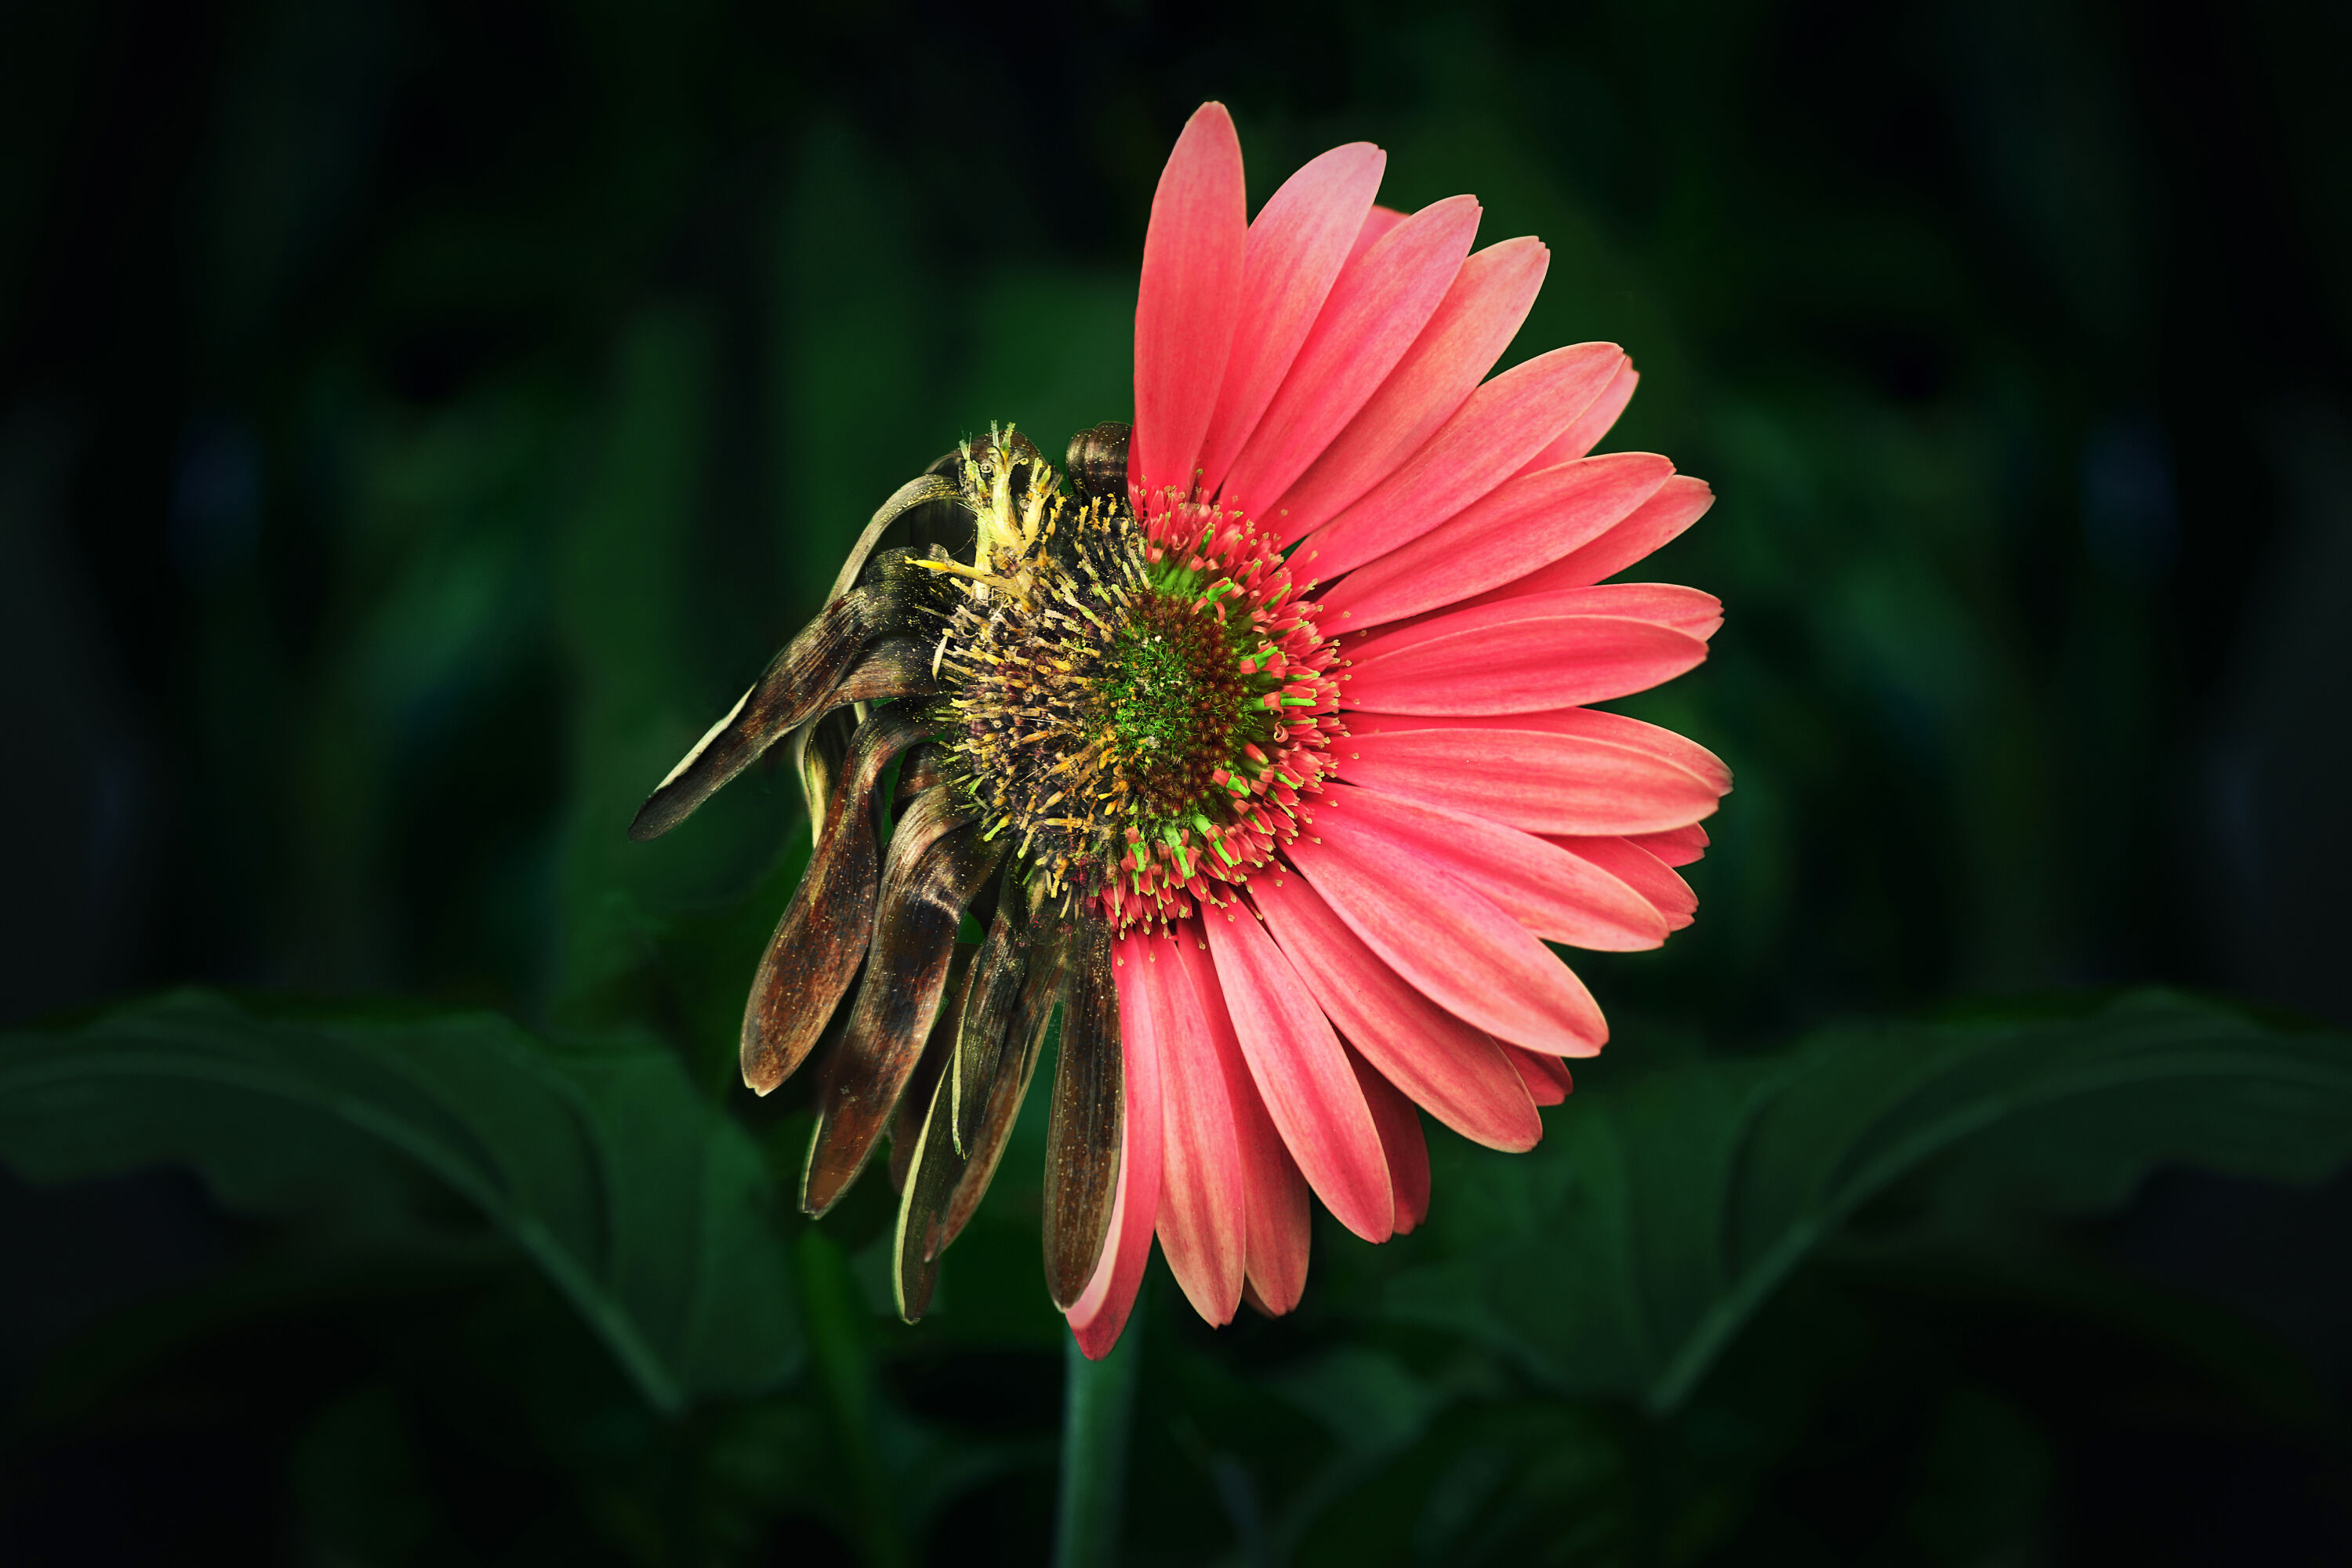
x=1098 y=460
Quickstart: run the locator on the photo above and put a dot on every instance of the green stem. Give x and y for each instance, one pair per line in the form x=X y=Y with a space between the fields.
x=1098 y=1406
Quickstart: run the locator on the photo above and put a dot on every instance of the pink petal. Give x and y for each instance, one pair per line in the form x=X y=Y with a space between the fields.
x=1533 y=518
x=1543 y=886
x=1280 y=1227
x=1401 y=1142
x=1190 y=301
x=1531 y=779
x=1488 y=300
x=1451 y=942
x=1443 y=1063
x=1626 y=860
x=1204 y=1196
x=1502 y=425
x=1376 y=310
x=1680 y=501
x=1547 y=1076
x=1521 y=655
x=1301 y=1073
x=1591 y=723
x=1585 y=431
x=1377 y=223
x=1297 y=246
x=1100 y=1311
x=1677 y=846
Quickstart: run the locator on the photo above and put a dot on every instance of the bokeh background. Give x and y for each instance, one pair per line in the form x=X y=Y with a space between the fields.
x=418 y=420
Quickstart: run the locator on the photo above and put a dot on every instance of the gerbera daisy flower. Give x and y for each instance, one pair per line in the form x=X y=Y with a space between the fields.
x=1258 y=746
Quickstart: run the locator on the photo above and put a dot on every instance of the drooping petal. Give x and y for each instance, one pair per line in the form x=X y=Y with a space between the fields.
x=1302 y=1074
x=1376 y=310
x=1085 y=1135
x=1297 y=246
x=1554 y=893
x=1585 y=431
x=1400 y=1143
x=1274 y=1273
x=1535 y=780
x=1482 y=309
x=1592 y=723
x=1639 y=870
x=1100 y=1311
x=1189 y=303
x=1457 y=1072
x=1547 y=1076
x=1452 y=942
x=1521 y=655
x=1203 y=1218
x=1501 y=426
x=1530 y=521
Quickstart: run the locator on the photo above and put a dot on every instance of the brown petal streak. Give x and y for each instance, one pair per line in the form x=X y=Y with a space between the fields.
x=1082 y=1140
x=914 y=1105
x=937 y=861
x=826 y=928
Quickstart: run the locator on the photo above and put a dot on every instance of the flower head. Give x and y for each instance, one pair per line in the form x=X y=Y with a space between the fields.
x=1260 y=743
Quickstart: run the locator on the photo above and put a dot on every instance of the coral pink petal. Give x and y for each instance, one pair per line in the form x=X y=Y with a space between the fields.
x=1100 y=1311
x=1533 y=518
x=1482 y=308
x=1535 y=780
x=1401 y=1142
x=1498 y=659
x=1677 y=846
x=1301 y=1073
x=1680 y=501
x=1501 y=426
x=1451 y=941
x=1547 y=1076
x=1544 y=887
x=1280 y=1218
x=1190 y=302
x=1203 y=1221
x=1297 y=246
x=1457 y=1072
x=1639 y=871
x=1585 y=432
x=1377 y=223
x=1593 y=724
x=1377 y=309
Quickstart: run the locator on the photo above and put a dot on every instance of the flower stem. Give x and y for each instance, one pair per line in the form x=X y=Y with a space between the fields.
x=1097 y=1409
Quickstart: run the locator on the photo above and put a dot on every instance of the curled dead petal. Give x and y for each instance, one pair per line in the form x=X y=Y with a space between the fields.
x=820 y=747
x=1100 y=1311
x=932 y=489
x=924 y=1166
x=936 y=862
x=828 y=927
x=914 y=1102
x=921 y=772
x=1082 y=1134
x=985 y=1027
x=1000 y=1100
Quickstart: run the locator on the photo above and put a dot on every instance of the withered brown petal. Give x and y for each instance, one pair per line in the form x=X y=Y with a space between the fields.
x=1000 y=1100
x=907 y=1123
x=829 y=924
x=1097 y=461
x=1082 y=1138
x=930 y=1181
x=937 y=861
x=920 y=772
x=985 y=1031
x=820 y=747
x=798 y=684
x=916 y=493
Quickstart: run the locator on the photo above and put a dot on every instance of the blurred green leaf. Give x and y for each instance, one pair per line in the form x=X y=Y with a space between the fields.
x=646 y=1209
x=1629 y=1249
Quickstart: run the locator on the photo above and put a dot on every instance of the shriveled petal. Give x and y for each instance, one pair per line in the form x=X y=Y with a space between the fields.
x=1456 y=1071
x=1297 y=246
x=1475 y=321
x=1539 y=781
x=1501 y=426
x=1639 y=871
x=1553 y=892
x=1203 y=1221
x=1406 y=1149
x=924 y=1162
x=1380 y=305
x=1084 y=1134
x=1531 y=520
x=1451 y=941
x=1521 y=655
x=1100 y=1311
x=1274 y=1273
x=984 y=1026
x=1301 y=1073
x=1189 y=300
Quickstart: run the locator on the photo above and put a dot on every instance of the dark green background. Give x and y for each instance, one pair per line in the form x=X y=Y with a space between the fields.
x=418 y=421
